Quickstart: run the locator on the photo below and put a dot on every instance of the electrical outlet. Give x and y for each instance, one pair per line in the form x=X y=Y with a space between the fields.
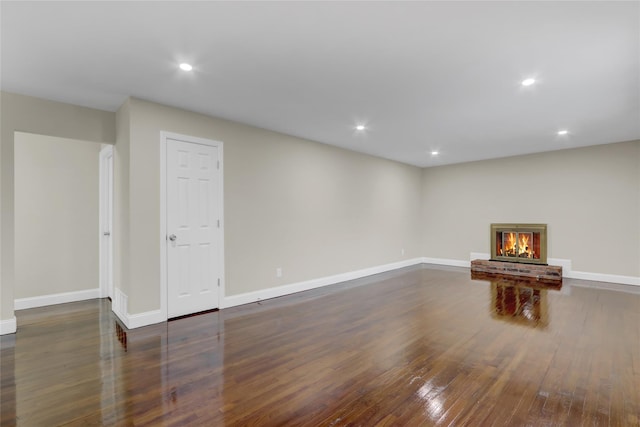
x=278 y=272
x=402 y=252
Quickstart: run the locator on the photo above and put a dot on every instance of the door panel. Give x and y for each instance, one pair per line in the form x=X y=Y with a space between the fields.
x=192 y=217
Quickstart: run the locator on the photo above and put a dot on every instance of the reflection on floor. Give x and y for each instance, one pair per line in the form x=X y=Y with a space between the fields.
x=519 y=300
x=411 y=347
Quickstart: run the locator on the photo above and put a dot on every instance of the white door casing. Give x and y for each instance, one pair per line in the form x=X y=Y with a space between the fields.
x=106 y=222
x=193 y=234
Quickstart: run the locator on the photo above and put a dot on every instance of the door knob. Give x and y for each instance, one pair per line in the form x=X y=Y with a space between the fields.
x=172 y=237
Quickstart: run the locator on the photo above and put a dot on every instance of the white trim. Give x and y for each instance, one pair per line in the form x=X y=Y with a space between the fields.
x=164 y=136
x=8 y=326
x=564 y=263
x=249 y=297
x=446 y=261
x=609 y=278
x=144 y=319
x=119 y=305
x=163 y=224
x=61 y=298
x=106 y=194
x=133 y=321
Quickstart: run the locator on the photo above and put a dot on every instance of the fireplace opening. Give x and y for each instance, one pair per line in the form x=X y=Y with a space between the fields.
x=518 y=244
x=525 y=243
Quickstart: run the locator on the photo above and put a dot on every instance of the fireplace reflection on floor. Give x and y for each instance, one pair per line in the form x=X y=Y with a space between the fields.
x=519 y=300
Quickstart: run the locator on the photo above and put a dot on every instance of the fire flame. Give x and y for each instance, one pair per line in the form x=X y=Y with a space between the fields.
x=510 y=244
x=523 y=245
x=519 y=245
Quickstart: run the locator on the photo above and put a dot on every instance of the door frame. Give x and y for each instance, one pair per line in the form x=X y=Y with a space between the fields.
x=105 y=193
x=164 y=137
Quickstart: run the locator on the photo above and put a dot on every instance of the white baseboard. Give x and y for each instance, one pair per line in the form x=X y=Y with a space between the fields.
x=249 y=297
x=144 y=319
x=8 y=326
x=120 y=306
x=564 y=263
x=44 y=300
x=132 y=321
x=609 y=278
x=447 y=261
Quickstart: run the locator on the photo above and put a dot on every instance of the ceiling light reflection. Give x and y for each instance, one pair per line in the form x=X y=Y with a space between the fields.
x=432 y=397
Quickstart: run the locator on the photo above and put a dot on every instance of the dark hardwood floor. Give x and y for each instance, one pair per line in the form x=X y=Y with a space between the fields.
x=421 y=346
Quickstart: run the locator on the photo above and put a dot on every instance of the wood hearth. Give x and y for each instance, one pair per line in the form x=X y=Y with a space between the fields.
x=534 y=271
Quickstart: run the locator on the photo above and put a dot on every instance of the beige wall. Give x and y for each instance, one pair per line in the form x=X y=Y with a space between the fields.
x=56 y=215
x=27 y=114
x=121 y=200
x=311 y=209
x=316 y=210
x=589 y=197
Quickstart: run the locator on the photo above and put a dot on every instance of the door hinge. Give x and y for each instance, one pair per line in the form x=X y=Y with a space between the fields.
x=218 y=223
x=218 y=282
x=218 y=164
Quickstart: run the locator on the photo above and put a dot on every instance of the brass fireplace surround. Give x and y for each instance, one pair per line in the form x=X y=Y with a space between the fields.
x=498 y=230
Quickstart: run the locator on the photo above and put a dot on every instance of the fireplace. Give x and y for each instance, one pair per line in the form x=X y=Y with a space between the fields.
x=522 y=243
x=518 y=250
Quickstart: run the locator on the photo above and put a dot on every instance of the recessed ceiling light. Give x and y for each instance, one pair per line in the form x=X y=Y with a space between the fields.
x=186 y=67
x=360 y=127
x=434 y=153
x=528 y=82
x=563 y=132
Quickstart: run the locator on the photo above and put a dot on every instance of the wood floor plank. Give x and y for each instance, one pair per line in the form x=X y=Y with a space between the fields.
x=420 y=346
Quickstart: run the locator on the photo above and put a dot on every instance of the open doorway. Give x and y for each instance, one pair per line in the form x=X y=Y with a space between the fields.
x=57 y=214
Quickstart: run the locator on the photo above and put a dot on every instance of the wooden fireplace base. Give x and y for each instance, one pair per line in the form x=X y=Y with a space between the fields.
x=541 y=272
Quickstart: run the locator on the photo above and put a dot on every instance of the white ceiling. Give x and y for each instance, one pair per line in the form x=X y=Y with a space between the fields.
x=423 y=76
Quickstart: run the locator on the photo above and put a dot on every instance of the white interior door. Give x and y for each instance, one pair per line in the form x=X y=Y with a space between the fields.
x=193 y=227
x=106 y=221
